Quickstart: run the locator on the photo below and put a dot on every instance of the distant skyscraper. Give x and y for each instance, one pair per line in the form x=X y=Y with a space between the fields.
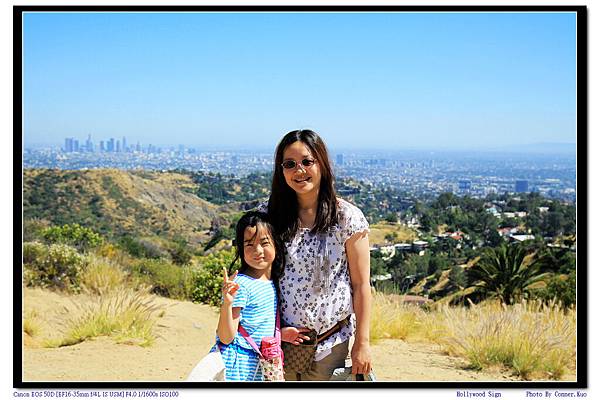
x=124 y=144
x=522 y=186
x=76 y=145
x=110 y=147
x=464 y=185
x=68 y=145
x=118 y=146
x=339 y=159
x=102 y=149
x=89 y=146
x=138 y=148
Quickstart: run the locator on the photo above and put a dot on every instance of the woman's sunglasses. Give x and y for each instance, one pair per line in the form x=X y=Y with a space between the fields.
x=292 y=164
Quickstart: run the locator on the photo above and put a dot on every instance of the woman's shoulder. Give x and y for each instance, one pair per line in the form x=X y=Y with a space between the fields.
x=346 y=208
x=351 y=219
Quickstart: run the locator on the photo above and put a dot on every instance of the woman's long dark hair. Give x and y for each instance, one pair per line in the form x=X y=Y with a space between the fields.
x=259 y=220
x=283 y=203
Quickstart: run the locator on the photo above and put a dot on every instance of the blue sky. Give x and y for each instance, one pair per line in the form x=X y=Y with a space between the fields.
x=380 y=80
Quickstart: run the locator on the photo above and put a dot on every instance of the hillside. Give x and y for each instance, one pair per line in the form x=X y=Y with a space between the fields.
x=116 y=202
x=399 y=233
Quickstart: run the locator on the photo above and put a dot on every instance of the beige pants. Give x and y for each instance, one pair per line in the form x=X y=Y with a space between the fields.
x=322 y=370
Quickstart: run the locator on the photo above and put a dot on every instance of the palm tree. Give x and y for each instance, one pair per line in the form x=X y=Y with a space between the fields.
x=506 y=272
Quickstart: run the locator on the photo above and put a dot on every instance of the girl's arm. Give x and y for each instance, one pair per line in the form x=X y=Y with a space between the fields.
x=357 y=252
x=229 y=317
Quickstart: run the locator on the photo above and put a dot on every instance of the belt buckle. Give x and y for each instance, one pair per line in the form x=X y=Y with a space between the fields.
x=345 y=321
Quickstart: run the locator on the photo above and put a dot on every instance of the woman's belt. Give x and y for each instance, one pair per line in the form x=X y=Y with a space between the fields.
x=334 y=329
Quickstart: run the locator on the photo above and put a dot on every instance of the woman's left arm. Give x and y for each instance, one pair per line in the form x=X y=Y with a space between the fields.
x=357 y=252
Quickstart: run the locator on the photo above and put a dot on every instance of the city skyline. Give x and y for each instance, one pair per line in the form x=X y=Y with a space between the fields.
x=80 y=144
x=362 y=80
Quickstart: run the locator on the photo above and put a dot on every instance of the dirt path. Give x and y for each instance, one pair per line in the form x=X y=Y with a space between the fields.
x=186 y=332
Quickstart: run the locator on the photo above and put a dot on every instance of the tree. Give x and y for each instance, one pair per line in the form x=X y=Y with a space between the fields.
x=562 y=261
x=428 y=221
x=561 y=288
x=437 y=263
x=554 y=223
x=181 y=253
x=391 y=217
x=506 y=272
x=391 y=237
x=456 y=277
x=445 y=200
x=377 y=265
x=493 y=239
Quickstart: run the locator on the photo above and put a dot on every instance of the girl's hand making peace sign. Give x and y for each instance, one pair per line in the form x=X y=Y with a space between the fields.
x=230 y=287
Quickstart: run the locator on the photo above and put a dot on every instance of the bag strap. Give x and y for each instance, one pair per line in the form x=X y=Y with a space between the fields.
x=278 y=334
x=277 y=328
x=251 y=341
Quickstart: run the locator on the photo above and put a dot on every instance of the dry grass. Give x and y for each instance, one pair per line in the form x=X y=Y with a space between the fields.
x=110 y=306
x=124 y=314
x=378 y=231
x=101 y=275
x=535 y=340
x=391 y=319
x=31 y=324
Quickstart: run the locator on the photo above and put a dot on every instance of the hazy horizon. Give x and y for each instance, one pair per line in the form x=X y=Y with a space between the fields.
x=533 y=148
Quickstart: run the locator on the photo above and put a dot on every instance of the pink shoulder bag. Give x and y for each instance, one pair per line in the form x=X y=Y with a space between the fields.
x=270 y=353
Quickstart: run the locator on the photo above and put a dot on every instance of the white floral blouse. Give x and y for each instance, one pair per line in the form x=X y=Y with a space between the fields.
x=315 y=284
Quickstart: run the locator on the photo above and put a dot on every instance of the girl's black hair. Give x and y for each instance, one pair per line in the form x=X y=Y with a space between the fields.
x=258 y=219
x=283 y=203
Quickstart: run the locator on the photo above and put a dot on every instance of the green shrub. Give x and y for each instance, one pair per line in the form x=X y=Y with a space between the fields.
x=165 y=278
x=209 y=279
x=72 y=234
x=33 y=251
x=181 y=254
x=141 y=248
x=560 y=288
x=59 y=266
x=32 y=229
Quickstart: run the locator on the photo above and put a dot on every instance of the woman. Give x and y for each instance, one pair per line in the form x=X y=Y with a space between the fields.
x=325 y=282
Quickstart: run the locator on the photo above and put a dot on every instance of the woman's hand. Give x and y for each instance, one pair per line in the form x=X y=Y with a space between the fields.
x=294 y=335
x=361 y=358
x=230 y=287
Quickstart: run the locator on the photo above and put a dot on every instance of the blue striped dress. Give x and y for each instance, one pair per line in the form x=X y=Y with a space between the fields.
x=258 y=301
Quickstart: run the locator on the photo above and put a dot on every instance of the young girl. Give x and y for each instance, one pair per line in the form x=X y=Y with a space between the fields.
x=249 y=297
